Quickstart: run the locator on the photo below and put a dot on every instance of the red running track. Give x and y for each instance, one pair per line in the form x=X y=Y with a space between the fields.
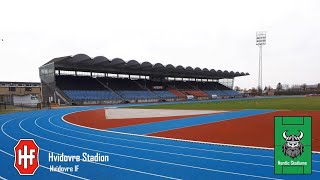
x=248 y=131
x=96 y=119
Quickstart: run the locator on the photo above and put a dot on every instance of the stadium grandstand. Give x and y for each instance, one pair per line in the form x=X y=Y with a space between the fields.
x=80 y=79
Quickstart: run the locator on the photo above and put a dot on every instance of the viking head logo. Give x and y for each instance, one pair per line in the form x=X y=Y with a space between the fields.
x=292 y=147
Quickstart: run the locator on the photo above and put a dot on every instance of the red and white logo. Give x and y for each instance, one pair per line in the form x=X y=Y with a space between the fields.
x=26 y=157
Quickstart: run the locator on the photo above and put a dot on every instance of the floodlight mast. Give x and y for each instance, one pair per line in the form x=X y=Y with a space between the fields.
x=260 y=41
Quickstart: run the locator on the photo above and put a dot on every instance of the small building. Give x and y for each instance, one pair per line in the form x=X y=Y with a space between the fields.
x=25 y=100
x=313 y=87
x=22 y=93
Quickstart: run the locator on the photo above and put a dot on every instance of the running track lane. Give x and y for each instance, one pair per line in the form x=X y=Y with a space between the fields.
x=154 y=127
x=134 y=157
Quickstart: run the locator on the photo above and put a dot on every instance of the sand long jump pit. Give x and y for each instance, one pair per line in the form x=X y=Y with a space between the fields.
x=119 y=117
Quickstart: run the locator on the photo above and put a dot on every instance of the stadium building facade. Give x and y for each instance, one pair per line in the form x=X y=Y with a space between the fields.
x=80 y=79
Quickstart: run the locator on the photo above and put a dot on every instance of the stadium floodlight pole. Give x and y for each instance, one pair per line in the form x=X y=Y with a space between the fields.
x=260 y=41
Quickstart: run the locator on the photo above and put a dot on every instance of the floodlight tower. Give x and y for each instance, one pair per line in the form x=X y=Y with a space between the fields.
x=260 y=41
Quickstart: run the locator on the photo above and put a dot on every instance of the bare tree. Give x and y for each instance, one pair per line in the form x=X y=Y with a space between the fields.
x=237 y=88
x=279 y=87
x=285 y=86
x=304 y=87
x=254 y=90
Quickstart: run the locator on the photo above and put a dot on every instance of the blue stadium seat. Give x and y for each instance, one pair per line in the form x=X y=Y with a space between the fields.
x=91 y=95
x=137 y=94
x=165 y=94
x=231 y=92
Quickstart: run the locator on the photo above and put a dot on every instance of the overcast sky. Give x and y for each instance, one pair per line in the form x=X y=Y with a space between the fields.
x=206 y=34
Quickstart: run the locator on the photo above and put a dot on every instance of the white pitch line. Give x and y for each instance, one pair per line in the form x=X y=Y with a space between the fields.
x=46 y=168
x=194 y=167
x=191 y=141
x=254 y=147
x=79 y=147
x=214 y=122
x=160 y=144
x=183 y=140
x=17 y=140
x=20 y=126
x=162 y=152
x=116 y=167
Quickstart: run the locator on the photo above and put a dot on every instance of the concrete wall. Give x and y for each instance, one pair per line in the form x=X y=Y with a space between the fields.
x=26 y=100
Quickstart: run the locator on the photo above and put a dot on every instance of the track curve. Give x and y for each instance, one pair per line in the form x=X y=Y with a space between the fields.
x=134 y=157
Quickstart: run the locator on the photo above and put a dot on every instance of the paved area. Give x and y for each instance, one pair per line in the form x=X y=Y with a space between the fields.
x=124 y=113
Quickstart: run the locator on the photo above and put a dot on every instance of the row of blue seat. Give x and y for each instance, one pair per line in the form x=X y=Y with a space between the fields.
x=137 y=94
x=231 y=92
x=91 y=95
x=109 y=95
x=165 y=94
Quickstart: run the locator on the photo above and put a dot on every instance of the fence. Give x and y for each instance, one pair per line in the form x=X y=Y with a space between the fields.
x=8 y=108
x=278 y=93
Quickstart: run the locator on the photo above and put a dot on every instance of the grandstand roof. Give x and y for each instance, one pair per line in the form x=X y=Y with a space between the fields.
x=82 y=62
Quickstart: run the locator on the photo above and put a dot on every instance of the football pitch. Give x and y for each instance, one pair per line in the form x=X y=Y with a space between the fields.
x=286 y=103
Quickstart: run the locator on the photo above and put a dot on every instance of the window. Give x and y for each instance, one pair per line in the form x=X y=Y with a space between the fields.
x=28 y=89
x=12 y=88
x=81 y=73
x=34 y=97
x=95 y=74
x=227 y=82
x=67 y=73
x=112 y=75
x=123 y=76
x=134 y=77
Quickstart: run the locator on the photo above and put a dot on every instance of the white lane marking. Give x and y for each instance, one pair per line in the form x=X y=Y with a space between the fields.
x=47 y=167
x=191 y=141
x=169 y=145
x=183 y=147
x=205 y=122
x=19 y=123
x=26 y=117
x=116 y=167
x=159 y=144
x=163 y=152
x=182 y=165
x=183 y=140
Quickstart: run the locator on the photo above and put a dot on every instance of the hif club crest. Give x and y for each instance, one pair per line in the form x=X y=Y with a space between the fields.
x=292 y=147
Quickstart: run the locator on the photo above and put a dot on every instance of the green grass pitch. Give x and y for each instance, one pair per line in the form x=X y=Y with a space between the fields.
x=288 y=103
